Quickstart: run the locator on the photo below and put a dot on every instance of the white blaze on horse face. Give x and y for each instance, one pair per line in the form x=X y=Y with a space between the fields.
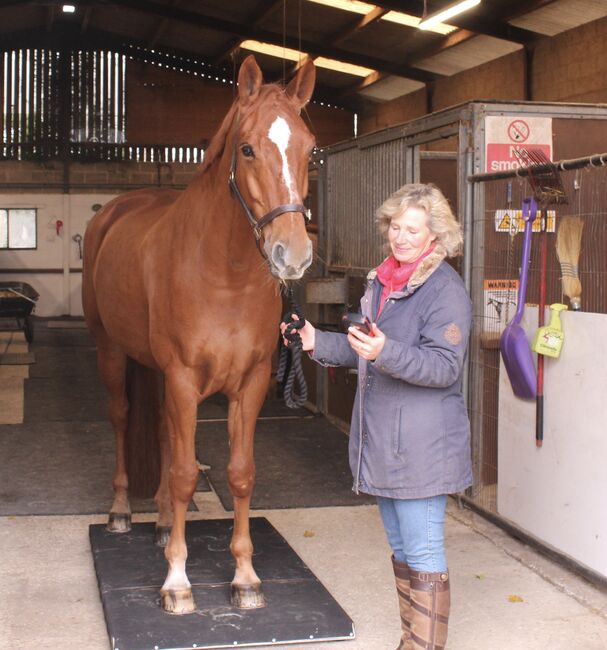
x=280 y=133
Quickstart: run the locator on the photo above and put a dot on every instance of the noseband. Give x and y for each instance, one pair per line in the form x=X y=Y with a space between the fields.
x=269 y=216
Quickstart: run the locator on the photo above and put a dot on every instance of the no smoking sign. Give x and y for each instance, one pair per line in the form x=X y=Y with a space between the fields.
x=504 y=134
x=518 y=131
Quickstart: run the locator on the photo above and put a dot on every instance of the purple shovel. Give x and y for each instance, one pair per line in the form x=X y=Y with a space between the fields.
x=514 y=346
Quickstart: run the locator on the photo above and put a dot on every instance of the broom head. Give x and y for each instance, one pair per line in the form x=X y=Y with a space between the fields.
x=568 y=247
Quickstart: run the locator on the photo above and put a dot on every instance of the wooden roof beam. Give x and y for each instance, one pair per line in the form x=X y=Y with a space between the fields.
x=358 y=25
x=343 y=34
x=267 y=9
x=50 y=17
x=481 y=21
x=86 y=19
x=162 y=26
x=257 y=33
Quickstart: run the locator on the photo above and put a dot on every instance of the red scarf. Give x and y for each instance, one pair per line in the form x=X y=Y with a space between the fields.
x=394 y=276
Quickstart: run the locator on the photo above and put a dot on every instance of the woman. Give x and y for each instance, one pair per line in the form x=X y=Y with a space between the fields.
x=410 y=434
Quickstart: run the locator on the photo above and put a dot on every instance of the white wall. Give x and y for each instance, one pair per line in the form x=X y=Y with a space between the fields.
x=557 y=491
x=56 y=254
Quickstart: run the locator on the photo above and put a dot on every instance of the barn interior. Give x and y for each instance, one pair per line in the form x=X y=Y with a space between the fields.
x=101 y=98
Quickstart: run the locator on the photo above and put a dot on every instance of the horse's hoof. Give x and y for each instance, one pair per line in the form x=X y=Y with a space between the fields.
x=247 y=596
x=161 y=535
x=118 y=522
x=177 y=602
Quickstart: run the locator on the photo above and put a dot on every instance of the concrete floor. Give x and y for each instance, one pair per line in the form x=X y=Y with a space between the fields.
x=505 y=595
x=50 y=597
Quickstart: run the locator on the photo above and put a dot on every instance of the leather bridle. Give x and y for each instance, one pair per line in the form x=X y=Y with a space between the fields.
x=269 y=216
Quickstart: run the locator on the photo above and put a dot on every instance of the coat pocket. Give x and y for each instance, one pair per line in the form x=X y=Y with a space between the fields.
x=419 y=432
x=398 y=437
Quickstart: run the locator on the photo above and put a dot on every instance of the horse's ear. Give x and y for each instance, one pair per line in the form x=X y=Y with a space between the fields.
x=301 y=87
x=249 y=80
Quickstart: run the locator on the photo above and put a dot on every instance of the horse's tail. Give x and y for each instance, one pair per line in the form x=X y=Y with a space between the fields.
x=144 y=393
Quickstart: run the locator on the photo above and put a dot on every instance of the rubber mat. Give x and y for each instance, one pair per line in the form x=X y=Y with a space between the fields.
x=131 y=569
x=301 y=463
x=61 y=468
x=17 y=359
x=66 y=324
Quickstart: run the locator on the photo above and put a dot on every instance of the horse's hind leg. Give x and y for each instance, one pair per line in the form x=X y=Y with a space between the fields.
x=112 y=368
x=244 y=409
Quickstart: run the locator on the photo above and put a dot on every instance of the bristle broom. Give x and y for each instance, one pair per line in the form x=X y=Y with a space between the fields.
x=568 y=247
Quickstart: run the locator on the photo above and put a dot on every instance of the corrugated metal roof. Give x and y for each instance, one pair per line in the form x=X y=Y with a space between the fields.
x=390 y=88
x=561 y=16
x=471 y=53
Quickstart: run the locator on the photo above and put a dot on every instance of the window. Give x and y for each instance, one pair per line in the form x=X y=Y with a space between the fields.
x=17 y=228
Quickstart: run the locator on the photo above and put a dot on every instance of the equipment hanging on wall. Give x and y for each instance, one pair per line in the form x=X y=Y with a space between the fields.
x=568 y=247
x=513 y=342
x=548 y=340
x=548 y=190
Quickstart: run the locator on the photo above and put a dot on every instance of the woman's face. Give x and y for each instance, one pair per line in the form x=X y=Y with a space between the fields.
x=409 y=236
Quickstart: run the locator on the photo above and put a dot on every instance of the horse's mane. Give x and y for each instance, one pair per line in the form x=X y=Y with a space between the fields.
x=218 y=142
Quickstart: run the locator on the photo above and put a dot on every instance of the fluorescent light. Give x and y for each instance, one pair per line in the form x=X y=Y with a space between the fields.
x=354 y=6
x=414 y=21
x=341 y=66
x=68 y=9
x=446 y=13
x=398 y=17
x=272 y=50
x=294 y=55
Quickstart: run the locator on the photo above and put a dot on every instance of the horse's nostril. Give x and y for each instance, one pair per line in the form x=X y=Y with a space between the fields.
x=278 y=255
x=308 y=261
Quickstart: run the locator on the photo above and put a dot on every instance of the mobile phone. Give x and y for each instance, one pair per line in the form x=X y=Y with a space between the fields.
x=353 y=319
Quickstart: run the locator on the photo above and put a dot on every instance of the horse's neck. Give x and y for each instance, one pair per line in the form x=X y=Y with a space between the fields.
x=217 y=229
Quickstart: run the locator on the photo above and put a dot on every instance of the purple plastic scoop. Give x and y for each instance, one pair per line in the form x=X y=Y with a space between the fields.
x=514 y=345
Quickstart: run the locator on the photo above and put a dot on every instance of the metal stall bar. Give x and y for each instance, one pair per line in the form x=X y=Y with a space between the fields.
x=466 y=209
x=595 y=160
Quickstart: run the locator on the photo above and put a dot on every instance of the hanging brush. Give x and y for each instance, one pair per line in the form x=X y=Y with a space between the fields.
x=568 y=247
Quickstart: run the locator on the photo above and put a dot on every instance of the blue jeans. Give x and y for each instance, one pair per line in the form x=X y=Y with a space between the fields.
x=415 y=531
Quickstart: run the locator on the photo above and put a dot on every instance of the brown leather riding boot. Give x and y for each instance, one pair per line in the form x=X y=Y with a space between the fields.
x=430 y=603
x=401 y=574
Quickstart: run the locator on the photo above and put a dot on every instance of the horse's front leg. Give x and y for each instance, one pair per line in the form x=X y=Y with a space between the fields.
x=163 y=494
x=244 y=409
x=181 y=400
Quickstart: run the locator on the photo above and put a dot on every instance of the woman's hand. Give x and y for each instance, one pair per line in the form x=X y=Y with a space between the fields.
x=307 y=333
x=367 y=346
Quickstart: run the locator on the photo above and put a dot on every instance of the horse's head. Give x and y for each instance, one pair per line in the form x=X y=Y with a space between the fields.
x=271 y=150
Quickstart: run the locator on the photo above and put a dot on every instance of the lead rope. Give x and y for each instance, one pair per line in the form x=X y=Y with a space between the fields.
x=290 y=357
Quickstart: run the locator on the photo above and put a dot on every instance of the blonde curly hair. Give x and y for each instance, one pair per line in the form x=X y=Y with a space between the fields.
x=441 y=220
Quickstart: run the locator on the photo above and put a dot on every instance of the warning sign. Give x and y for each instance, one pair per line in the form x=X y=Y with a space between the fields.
x=511 y=221
x=500 y=307
x=505 y=134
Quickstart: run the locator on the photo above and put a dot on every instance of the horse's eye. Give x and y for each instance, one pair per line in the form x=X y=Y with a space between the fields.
x=247 y=151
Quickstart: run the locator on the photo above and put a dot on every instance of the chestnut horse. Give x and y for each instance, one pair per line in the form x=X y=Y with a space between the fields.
x=181 y=290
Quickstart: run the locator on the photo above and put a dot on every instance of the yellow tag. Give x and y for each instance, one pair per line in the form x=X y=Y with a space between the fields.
x=309 y=533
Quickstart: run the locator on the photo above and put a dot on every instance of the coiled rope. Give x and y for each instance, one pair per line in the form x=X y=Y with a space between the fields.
x=290 y=357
